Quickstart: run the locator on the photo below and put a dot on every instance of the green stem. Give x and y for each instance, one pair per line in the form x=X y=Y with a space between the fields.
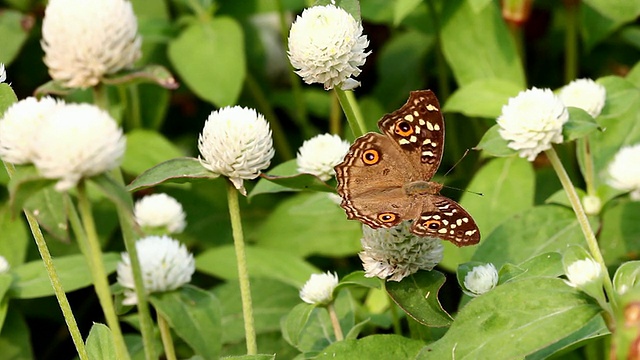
x=96 y=265
x=337 y=330
x=588 y=166
x=58 y=290
x=100 y=97
x=441 y=64
x=351 y=111
x=334 y=116
x=571 y=41
x=583 y=220
x=135 y=120
x=167 y=341
x=243 y=272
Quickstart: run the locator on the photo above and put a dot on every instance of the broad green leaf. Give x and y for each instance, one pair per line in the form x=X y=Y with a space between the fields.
x=15 y=339
x=517 y=318
x=5 y=284
x=7 y=97
x=580 y=124
x=417 y=295
x=25 y=183
x=209 y=56
x=178 y=170
x=350 y=6
x=539 y=230
x=262 y=263
x=195 y=315
x=285 y=177
x=593 y=329
x=620 y=232
x=310 y=223
x=478 y=45
x=633 y=76
x=403 y=8
x=145 y=149
x=543 y=265
x=13 y=33
x=114 y=191
x=100 y=343
x=294 y=323
x=595 y=26
x=250 y=357
x=483 y=97
x=358 y=279
x=31 y=279
x=47 y=205
x=493 y=144
x=373 y=347
x=627 y=276
x=618 y=10
x=15 y=235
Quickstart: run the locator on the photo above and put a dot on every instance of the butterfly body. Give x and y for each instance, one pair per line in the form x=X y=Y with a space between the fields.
x=385 y=178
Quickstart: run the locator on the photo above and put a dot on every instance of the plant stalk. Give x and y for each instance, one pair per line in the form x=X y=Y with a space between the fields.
x=167 y=341
x=337 y=330
x=351 y=111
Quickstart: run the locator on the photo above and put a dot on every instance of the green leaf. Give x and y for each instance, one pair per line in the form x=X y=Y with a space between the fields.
x=25 y=183
x=310 y=223
x=493 y=144
x=595 y=328
x=417 y=295
x=358 y=279
x=251 y=357
x=373 y=347
x=114 y=191
x=7 y=98
x=627 y=276
x=288 y=179
x=145 y=149
x=620 y=232
x=153 y=73
x=14 y=32
x=46 y=206
x=580 y=124
x=15 y=340
x=535 y=311
x=262 y=263
x=215 y=66
x=618 y=10
x=478 y=45
x=100 y=343
x=195 y=315
x=178 y=170
x=350 y=6
x=31 y=279
x=294 y=323
x=482 y=98
x=13 y=228
x=543 y=265
x=5 y=284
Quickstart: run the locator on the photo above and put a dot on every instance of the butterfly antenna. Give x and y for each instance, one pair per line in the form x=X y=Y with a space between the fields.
x=453 y=167
x=463 y=190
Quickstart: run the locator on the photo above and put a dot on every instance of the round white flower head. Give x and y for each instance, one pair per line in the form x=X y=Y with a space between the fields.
x=318 y=290
x=236 y=143
x=481 y=279
x=85 y=40
x=160 y=211
x=19 y=126
x=165 y=263
x=3 y=74
x=585 y=94
x=592 y=204
x=624 y=173
x=396 y=253
x=320 y=154
x=531 y=121
x=4 y=265
x=77 y=141
x=582 y=272
x=326 y=46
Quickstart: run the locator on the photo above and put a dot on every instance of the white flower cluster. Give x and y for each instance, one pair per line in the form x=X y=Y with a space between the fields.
x=165 y=263
x=481 y=279
x=585 y=94
x=326 y=46
x=160 y=211
x=396 y=253
x=4 y=265
x=318 y=290
x=64 y=141
x=624 y=173
x=85 y=40
x=3 y=74
x=582 y=272
x=236 y=142
x=320 y=154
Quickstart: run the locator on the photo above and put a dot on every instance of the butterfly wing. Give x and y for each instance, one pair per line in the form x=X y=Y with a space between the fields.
x=444 y=218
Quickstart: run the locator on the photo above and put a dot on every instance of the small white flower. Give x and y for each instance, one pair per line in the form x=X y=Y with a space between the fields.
x=582 y=272
x=318 y=290
x=481 y=279
x=236 y=143
x=396 y=253
x=19 y=126
x=4 y=265
x=3 y=74
x=624 y=172
x=160 y=211
x=77 y=141
x=592 y=204
x=585 y=94
x=165 y=263
x=320 y=154
x=532 y=120
x=326 y=46
x=85 y=40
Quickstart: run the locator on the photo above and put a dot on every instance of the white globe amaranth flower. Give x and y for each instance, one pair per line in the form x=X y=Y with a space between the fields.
x=583 y=271
x=396 y=253
x=4 y=265
x=624 y=172
x=236 y=142
x=3 y=74
x=318 y=290
x=160 y=211
x=85 y=40
x=326 y=46
x=531 y=121
x=481 y=279
x=19 y=126
x=165 y=263
x=585 y=94
x=320 y=154
x=77 y=141
x=592 y=204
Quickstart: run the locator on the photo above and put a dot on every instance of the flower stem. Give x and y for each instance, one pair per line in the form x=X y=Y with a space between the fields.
x=335 y=116
x=441 y=64
x=96 y=265
x=590 y=237
x=588 y=166
x=351 y=111
x=571 y=40
x=61 y=296
x=337 y=330
x=167 y=341
x=243 y=272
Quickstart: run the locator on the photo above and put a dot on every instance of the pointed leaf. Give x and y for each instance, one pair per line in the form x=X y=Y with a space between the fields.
x=178 y=170
x=483 y=97
x=373 y=347
x=25 y=183
x=7 y=98
x=145 y=149
x=100 y=343
x=493 y=144
x=285 y=177
x=115 y=192
x=153 y=73
x=580 y=124
x=417 y=295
